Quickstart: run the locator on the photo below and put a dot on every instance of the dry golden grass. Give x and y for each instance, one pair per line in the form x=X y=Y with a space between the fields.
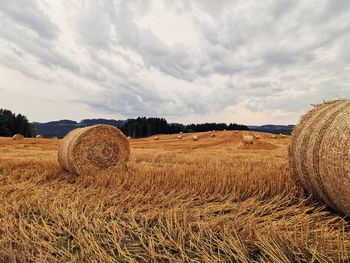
x=212 y=200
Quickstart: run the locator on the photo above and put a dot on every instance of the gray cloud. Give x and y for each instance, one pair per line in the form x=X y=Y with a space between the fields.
x=29 y=15
x=274 y=58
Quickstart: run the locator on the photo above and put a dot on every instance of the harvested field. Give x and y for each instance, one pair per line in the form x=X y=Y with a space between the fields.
x=211 y=200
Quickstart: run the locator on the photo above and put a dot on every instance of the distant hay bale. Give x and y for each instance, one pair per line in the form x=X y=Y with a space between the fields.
x=236 y=131
x=248 y=139
x=92 y=150
x=156 y=138
x=18 y=137
x=55 y=137
x=195 y=137
x=273 y=136
x=282 y=135
x=224 y=129
x=212 y=135
x=257 y=137
x=128 y=137
x=319 y=154
x=179 y=137
x=181 y=132
x=39 y=136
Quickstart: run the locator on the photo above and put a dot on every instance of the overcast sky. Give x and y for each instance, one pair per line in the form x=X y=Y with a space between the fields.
x=251 y=62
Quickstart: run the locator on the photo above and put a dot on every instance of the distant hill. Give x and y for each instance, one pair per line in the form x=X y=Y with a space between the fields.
x=277 y=129
x=62 y=127
x=90 y=122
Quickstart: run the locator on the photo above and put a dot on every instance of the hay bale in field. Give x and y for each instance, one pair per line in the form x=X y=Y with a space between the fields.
x=282 y=135
x=181 y=132
x=55 y=137
x=128 y=137
x=212 y=135
x=248 y=139
x=156 y=138
x=179 y=137
x=18 y=137
x=319 y=155
x=236 y=131
x=257 y=137
x=95 y=149
x=273 y=136
x=39 y=136
x=195 y=138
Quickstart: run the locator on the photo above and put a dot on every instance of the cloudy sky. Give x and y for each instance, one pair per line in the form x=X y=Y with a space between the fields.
x=252 y=62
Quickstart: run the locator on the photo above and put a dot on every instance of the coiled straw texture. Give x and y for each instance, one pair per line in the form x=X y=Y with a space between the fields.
x=92 y=150
x=248 y=139
x=319 y=154
x=18 y=137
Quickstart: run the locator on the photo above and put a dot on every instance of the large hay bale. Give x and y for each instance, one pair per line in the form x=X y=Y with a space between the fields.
x=95 y=149
x=179 y=137
x=18 y=137
x=319 y=154
x=156 y=138
x=248 y=139
x=195 y=138
x=39 y=136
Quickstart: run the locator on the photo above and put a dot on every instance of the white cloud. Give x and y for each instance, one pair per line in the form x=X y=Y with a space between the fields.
x=189 y=61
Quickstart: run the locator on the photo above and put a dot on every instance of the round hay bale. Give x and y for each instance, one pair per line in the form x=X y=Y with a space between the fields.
x=156 y=138
x=95 y=149
x=248 y=139
x=39 y=136
x=55 y=137
x=18 y=137
x=128 y=137
x=212 y=135
x=195 y=138
x=179 y=137
x=257 y=137
x=319 y=155
x=181 y=132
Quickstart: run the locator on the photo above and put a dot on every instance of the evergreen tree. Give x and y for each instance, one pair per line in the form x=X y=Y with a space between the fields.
x=4 y=131
x=145 y=127
x=11 y=124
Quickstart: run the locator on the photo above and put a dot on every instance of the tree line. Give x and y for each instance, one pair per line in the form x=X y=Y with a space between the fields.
x=144 y=127
x=11 y=124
